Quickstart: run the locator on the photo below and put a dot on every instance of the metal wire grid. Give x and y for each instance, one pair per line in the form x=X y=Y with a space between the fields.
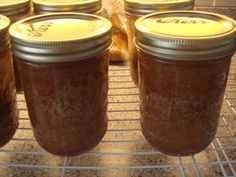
x=123 y=151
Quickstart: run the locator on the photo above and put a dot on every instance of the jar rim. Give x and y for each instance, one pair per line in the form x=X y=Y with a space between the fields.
x=140 y=7
x=49 y=6
x=42 y=38
x=184 y=35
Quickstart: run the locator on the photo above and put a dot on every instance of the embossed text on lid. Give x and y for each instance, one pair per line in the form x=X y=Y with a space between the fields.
x=59 y=29
x=62 y=33
x=187 y=26
x=168 y=34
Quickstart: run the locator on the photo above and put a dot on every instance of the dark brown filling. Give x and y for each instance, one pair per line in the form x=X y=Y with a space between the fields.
x=67 y=103
x=8 y=109
x=181 y=102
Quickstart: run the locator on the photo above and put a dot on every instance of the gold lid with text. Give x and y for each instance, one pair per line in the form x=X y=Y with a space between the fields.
x=15 y=9
x=186 y=35
x=52 y=6
x=4 y=37
x=60 y=37
x=144 y=7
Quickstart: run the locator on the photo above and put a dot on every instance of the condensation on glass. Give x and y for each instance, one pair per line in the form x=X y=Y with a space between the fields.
x=184 y=59
x=65 y=78
x=16 y=10
x=8 y=108
x=137 y=8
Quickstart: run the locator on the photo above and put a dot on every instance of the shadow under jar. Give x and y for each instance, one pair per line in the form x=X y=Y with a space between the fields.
x=16 y=10
x=8 y=108
x=138 y=8
x=184 y=59
x=64 y=68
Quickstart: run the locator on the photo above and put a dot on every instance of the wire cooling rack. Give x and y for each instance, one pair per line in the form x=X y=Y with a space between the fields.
x=123 y=151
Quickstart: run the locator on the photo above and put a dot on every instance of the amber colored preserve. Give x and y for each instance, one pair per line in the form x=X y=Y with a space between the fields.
x=184 y=59
x=136 y=9
x=65 y=77
x=8 y=109
x=16 y=10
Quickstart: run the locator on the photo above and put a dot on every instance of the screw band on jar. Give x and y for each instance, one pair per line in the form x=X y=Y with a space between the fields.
x=185 y=35
x=4 y=37
x=15 y=9
x=139 y=7
x=52 y=6
x=60 y=38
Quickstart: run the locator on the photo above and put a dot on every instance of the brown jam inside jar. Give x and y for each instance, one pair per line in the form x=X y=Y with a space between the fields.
x=181 y=102
x=65 y=79
x=8 y=109
x=16 y=10
x=137 y=8
x=183 y=75
x=72 y=99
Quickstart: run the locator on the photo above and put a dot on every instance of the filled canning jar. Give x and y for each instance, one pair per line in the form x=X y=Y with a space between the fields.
x=138 y=8
x=8 y=110
x=55 y=6
x=16 y=10
x=63 y=62
x=184 y=59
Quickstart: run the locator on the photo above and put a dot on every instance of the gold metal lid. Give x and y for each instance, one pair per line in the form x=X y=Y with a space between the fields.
x=60 y=37
x=4 y=37
x=144 y=7
x=186 y=35
x=81 y=6
x=15 y=9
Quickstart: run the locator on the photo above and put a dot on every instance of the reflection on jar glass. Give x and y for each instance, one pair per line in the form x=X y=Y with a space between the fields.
x=65 y=78
x=16 y=10
x=8 y=109
x=137 y=8
x=184 y=59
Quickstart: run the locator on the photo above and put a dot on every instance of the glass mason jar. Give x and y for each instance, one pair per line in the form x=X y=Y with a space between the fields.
x=55 y=6
x=65 y=78
x=16 y=10
x=184 y=59
x=137 y=8
x=8 y=110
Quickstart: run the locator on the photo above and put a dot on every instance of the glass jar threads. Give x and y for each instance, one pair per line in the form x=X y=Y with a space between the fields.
x=184 y=59
x=63 y=63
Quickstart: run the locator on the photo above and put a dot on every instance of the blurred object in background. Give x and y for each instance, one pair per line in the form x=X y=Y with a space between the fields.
x=114 y=10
